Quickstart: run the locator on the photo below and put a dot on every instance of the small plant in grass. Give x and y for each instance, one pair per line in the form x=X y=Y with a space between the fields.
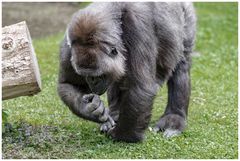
x=5 y=124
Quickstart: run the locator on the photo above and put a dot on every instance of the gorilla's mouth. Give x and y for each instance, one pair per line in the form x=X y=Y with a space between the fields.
x=98 y=84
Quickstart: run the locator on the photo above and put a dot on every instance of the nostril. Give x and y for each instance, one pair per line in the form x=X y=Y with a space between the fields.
x=87 y=61
x=88 y=66
x=93 y=80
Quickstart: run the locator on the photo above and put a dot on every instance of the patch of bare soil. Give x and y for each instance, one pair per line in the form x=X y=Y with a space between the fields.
x=43 y=19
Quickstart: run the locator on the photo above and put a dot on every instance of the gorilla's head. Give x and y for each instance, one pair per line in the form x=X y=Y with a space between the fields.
x=97 y=51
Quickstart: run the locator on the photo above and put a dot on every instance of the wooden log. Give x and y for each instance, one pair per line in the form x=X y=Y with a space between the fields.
x=20 y=71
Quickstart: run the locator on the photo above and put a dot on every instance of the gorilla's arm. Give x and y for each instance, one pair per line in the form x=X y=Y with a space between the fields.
x=74 y=92
x=135 y=113
x=87 y=106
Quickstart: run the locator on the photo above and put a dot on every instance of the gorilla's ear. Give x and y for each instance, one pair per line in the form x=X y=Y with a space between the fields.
x=67 y=38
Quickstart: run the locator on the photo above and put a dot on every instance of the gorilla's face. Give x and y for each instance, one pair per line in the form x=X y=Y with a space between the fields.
x=95 y=53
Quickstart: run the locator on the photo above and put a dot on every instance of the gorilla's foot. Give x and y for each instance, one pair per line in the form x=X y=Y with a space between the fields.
x=171 y=125
x=126 y=136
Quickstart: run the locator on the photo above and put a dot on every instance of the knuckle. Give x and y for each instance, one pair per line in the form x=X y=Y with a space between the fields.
x=103 y=118
x=95 y=105
x=90 y=107
x=95 y=96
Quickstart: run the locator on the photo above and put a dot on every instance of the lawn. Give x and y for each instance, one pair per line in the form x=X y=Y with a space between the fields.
x=43 y=127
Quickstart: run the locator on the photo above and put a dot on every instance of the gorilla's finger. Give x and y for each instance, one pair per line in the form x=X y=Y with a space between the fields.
x=87 y=98
x=99 y=110
x=109 y=125
x=90 y=107
x=106 y=126
x=110 y=131
x=112 y=122
x=105 y=115
x=96 y=100
x=103 y=128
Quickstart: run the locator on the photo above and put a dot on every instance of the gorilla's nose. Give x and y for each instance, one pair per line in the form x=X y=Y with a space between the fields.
x=93 y=80
x=88 y=66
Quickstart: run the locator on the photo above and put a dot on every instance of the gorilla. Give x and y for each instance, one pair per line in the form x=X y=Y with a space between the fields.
x=128 y=50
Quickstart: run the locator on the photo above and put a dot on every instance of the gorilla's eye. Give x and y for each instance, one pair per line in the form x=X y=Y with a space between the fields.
x=114 y=51
x=74 y=42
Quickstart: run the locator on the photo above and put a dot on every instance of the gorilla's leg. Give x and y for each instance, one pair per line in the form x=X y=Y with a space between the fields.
x=173 y=120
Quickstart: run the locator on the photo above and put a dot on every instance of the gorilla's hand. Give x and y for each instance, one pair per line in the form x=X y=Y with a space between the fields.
x=92 y=106
x=108 y=125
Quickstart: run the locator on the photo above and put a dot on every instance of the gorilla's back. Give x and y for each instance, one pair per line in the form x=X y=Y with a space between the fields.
x=178 y=17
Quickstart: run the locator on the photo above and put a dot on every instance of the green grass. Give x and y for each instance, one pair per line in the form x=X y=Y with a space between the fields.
x=42 y=127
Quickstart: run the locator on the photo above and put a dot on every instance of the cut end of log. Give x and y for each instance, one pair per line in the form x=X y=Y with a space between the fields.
x=20 y=71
